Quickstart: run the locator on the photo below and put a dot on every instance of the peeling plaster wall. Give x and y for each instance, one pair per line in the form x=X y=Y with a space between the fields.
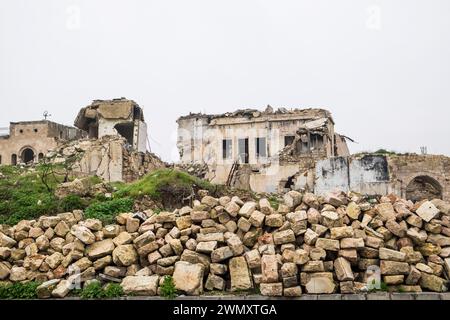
x=331 y=175
x=379 y=174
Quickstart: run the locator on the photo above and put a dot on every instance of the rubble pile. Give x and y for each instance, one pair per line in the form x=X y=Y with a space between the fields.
x=199 y=170
x=309 y=244
x=110 y=158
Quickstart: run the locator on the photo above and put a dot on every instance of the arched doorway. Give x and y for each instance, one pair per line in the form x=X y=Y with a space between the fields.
x=423 y=187
x=13 y=159
x=27 y=155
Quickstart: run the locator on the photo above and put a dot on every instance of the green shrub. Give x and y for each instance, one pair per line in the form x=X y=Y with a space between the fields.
x=95 y=291
x=107 y=211
x=168 y=289
x=19 y=290
x=72 y=202
x=113 y=290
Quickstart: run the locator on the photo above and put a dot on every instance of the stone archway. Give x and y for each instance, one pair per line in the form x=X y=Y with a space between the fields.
x=27 y=155
x=423 y=187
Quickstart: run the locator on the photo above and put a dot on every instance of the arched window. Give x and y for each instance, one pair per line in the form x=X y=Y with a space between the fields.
x=40 y=156
x=14 y=159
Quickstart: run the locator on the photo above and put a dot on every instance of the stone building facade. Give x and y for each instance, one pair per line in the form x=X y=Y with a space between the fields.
x=264 y=151
x=30 y=141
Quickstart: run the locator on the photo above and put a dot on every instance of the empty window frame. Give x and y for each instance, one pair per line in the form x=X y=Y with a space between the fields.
x=243 y=150
x=316 y=141
x=261 y=147
x=288 y=140
x=226 y=149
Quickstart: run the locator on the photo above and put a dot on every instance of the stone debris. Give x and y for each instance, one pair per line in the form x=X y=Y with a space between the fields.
x=109 y=157
x=315 y=245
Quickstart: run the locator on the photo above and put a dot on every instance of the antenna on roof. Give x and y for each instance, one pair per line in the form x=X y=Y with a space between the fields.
x=424 y=150
x=46 y=115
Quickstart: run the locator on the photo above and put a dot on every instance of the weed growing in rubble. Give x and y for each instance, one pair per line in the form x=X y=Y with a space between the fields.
x=106 y=211
x=168 y=289
x=274 y=202
x=113 y=290
x=96 y=291
x=19 y=290
x=93 y=290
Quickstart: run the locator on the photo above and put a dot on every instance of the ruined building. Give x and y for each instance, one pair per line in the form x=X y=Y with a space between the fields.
x=262 y=151
x=109 y=141
x=116 y=147
x=115 y=117
x=29 y=141
x=276 y=151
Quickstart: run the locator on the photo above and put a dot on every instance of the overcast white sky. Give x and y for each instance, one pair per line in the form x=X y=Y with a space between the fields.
x=382 y=67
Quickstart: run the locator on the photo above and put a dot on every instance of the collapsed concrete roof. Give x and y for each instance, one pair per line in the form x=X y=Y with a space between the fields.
x=310 y=113
x=115 y=109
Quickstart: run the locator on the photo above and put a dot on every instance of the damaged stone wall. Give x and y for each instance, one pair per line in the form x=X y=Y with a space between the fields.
x=108 y=158
x=408 y=171
x=415 y=177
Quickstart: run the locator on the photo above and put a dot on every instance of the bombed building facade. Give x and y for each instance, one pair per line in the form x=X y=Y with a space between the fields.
x=264 y=151
x=116 y=145
x=29 y=141
x=277 y=151
x=115 y=117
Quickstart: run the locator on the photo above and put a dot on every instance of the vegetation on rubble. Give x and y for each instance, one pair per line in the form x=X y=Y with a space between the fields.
x=29 y=193
x=107 y=210
x=382 y=151
x=168 y=289
x=160 y=181
x=95 y=290
x=23 y=195
x=274 y=202
x=19 y=290
x=168 y=186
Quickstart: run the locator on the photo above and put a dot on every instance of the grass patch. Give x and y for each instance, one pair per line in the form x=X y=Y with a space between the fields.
x=160 y=181
x=96 y=291
x=107 y=210
x=169 y=187
x=23 y=195
x=19 y=290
